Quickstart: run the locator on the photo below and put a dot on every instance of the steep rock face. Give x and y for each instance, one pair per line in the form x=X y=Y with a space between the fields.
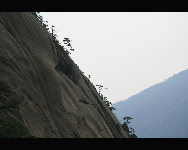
x=51 y=102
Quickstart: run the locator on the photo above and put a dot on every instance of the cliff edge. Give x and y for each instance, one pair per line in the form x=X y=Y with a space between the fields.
x=51 y=95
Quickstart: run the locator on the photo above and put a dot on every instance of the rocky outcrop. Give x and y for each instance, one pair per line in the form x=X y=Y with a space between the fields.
x=54 y=98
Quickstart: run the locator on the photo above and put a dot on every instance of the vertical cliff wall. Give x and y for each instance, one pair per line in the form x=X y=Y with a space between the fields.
x=53 y=97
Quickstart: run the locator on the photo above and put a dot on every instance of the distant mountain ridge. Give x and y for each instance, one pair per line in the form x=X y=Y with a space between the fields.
x=159 y=111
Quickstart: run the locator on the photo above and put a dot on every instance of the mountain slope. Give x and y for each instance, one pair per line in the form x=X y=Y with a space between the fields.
x=159 y=111
x=52 y=97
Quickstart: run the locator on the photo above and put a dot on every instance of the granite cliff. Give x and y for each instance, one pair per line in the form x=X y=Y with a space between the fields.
x=51 y=95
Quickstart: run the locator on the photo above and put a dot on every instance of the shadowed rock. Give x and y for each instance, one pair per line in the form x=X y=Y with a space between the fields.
x=51 y=102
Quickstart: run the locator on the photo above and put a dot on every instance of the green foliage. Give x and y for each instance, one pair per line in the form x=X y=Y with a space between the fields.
x=5 y=96
x=40 y=19
x=127 y=119
x=68 y=45
x=127 y=128
x=66 y=65
x=108 y=103
x=9 y=129
x=5 y=90
x=67 y=42
x=12 y=129
x=35 y=14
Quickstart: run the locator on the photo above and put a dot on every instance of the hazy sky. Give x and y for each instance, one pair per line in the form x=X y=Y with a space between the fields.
x=125 y=51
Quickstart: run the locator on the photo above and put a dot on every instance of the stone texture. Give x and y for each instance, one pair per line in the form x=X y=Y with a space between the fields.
x=51 y=104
